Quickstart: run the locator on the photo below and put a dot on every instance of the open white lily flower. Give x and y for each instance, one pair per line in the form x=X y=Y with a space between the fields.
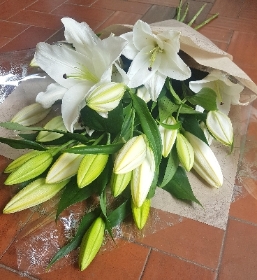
x=228 y=93
x=76 y=72
x=153 y=55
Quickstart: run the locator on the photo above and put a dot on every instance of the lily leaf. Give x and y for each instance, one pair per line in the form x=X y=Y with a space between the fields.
x=96 y=149
x=120 y=213
x=166 y=108
x=22 y=144
x=112 y=124
x=180 y=186
x=206 y=98
x=171 y=167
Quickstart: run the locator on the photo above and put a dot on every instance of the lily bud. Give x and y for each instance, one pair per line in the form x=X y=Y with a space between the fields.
x=54 y=124
x=90 y=168
x=220 y=127
x=185 y=152
x=20 y=161
x=31 y=168
x=105 y=97
x=91 y=243
x=119 y=182
x=65 y=167
x=168 y=136
x=142 y=178
x=131 y=155
x=205 y=163
x=140 y=214
x=31 y=114
x=33 y=194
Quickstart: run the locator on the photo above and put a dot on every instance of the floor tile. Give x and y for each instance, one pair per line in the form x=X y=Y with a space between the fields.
x=189 y=239
x=87 y=3
x=249 y=10
x=12 y=7
x=28 y=39
x=119 y=5
x=216 y=34
x=159 y=13
x=83 y=13
x=11 y=29
x=162 y=266
x=11 y=275
x=119 y=18
x=44 y=6
x=240 y=252
x=243 y=48
x=38 y=19
x=230 y=8
x=169 y=3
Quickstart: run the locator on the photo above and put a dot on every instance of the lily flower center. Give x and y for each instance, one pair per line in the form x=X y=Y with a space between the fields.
x=153 y=54
x=83 y=74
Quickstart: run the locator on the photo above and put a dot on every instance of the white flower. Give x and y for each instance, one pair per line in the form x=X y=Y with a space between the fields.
x=76 y=71
x=142 y=178
x=155 y=57
x=227 y=92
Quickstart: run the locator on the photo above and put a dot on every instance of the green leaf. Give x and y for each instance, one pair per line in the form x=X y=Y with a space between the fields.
x=174 y=94
x=171 y=167
x=128 y=124
x=22 y=144
x=149 y=127
x=166 y=108
x=85 y=223
x=96 y=149
x=206 y=98
x=180 y=187
x=112 y=124
x=17 y=126
x=120 y=213
x=171 y=126
x=73 y=194
x=191 y=124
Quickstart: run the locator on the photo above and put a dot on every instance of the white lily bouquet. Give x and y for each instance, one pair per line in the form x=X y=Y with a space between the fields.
x=135 y=115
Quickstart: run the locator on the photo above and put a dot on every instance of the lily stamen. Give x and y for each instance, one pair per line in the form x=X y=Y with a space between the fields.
x=154 y=53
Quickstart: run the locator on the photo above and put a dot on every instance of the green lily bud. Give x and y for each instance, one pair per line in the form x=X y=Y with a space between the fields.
x=142 y=178
x=65 y=167
x=185 y=152
x=54 y=124
x=140 y=214
x=119 y=182
x=91 y=243
x=105 y=97
x=20 y=161
x=205 y=163
x=131 y=155
x=220 y=127
x=168 y=136
x=90 y=168
x=33 y=194
x=31 y=168
x=31 y=114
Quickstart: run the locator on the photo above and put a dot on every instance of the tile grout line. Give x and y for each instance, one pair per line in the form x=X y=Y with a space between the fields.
x=242 y=221
x=145 y=264
x=221 y=252
x=21 y=274
x=175 y=256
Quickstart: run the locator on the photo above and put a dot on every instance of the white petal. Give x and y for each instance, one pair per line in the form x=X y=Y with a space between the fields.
x=142 y=178
x=172 y=65
x=80 y=35
x=72 y=102
x=172 y=38
x=130 y=51
x=53 y=93
x=155 y=85
x=139 y=71
x=143 y=36
x=119 y=75
x=59 y=60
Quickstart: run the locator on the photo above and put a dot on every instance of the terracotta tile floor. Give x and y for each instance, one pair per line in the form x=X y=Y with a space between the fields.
x=180 y=249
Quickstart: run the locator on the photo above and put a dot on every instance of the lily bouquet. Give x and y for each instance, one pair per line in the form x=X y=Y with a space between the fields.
x=137 y=113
